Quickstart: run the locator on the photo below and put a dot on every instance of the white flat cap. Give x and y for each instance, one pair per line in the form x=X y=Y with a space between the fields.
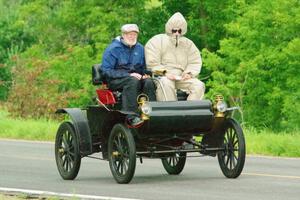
x=129 y=28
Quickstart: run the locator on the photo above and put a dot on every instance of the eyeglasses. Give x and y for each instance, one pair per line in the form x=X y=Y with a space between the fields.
x=176 y=30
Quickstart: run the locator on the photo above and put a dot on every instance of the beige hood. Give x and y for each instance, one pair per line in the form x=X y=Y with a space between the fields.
x=176 y=21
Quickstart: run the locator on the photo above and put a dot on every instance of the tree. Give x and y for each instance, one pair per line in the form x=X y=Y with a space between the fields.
x=259 y=64
x=13 y=40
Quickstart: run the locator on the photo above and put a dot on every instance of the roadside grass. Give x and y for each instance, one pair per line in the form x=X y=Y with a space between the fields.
x=27 y=129
x=260 y=142
x=266 y=142
x=9 y=197
x=21 y=196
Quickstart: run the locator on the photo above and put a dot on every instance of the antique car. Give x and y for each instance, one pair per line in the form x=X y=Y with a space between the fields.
x=171 y=131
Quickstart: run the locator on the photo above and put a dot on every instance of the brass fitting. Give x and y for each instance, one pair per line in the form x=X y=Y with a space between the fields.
x=142 y=99
x=160 y=72
x=61 y=150
x=115 y=154
x=218 y=99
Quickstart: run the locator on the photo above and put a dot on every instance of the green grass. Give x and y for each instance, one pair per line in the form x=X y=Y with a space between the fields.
x=274 y=144
x=263 y=142
x=27 y=129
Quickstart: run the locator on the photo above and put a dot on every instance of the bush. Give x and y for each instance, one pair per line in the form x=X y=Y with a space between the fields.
x=34 y=97
x=45 y=83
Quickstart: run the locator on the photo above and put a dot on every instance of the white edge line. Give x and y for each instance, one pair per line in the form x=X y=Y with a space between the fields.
x=47 y=193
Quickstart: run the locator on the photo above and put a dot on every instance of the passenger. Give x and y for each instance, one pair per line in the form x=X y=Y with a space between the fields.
x=123 y=65
x=181 y=59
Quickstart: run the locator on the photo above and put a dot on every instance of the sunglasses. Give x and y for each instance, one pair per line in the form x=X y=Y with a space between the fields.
x=176 y=30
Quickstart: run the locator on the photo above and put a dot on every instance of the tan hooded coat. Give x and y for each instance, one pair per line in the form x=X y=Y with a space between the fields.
x=161 y=51
x=178 y=56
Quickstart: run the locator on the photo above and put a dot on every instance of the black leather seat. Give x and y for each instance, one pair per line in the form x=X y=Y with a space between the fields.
x=97 y=77
x=181 y=95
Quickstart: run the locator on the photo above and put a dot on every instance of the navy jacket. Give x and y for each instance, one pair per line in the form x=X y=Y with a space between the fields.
x=119 y=60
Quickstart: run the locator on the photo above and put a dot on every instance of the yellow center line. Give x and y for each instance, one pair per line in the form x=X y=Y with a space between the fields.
x=272 y=175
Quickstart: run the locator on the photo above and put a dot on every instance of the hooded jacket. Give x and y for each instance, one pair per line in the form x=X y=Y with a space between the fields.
x=177 y=56
x=119 y=60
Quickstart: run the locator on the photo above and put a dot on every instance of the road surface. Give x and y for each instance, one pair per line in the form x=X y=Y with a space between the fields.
x=31 y=166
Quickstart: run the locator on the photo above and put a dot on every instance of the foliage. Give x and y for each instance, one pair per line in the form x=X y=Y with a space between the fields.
x=29 y=94
x=13 y=39
x=257 y=66
x=151 y=23
x=207 y=20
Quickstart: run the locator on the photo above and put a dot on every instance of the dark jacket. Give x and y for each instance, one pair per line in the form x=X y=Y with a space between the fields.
x=119 y=60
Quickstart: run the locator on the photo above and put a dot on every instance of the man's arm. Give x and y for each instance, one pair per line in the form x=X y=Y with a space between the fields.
x=153 y=53
x=194 y=61
x=109 y=62
x=146 y=72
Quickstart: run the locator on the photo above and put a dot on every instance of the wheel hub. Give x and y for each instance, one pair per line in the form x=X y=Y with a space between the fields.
x=115 y=154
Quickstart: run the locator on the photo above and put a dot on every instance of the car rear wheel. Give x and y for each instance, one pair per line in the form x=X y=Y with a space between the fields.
x=121 y=153
x=175 y=163
x=232 y=158
x=67 y=154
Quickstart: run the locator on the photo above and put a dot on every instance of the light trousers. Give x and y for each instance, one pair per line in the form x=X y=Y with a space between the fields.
x=194 y=87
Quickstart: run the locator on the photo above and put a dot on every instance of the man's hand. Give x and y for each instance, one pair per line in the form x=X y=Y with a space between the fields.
x=136 y=75
x=186 y=77
x=145 y=76
x=171 y=77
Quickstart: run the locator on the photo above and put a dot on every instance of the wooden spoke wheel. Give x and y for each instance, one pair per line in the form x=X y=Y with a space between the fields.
x=232 y=158
x=67 y=154
x=175 y=163
x=121 y=153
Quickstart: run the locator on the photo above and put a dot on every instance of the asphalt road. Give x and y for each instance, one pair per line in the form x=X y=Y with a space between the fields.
x=31 y=165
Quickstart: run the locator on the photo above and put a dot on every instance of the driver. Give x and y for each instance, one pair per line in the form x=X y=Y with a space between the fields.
x=123 y=65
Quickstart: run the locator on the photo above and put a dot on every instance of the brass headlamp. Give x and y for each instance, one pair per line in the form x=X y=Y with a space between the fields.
x=144 y=106
x=220 y=107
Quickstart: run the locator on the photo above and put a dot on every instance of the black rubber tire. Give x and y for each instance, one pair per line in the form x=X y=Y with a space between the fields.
x=232 y=159
x=121 y=153
x=174 y=164
x=67 y=153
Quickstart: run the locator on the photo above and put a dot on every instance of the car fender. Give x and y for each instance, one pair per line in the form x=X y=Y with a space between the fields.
x=82 y=128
